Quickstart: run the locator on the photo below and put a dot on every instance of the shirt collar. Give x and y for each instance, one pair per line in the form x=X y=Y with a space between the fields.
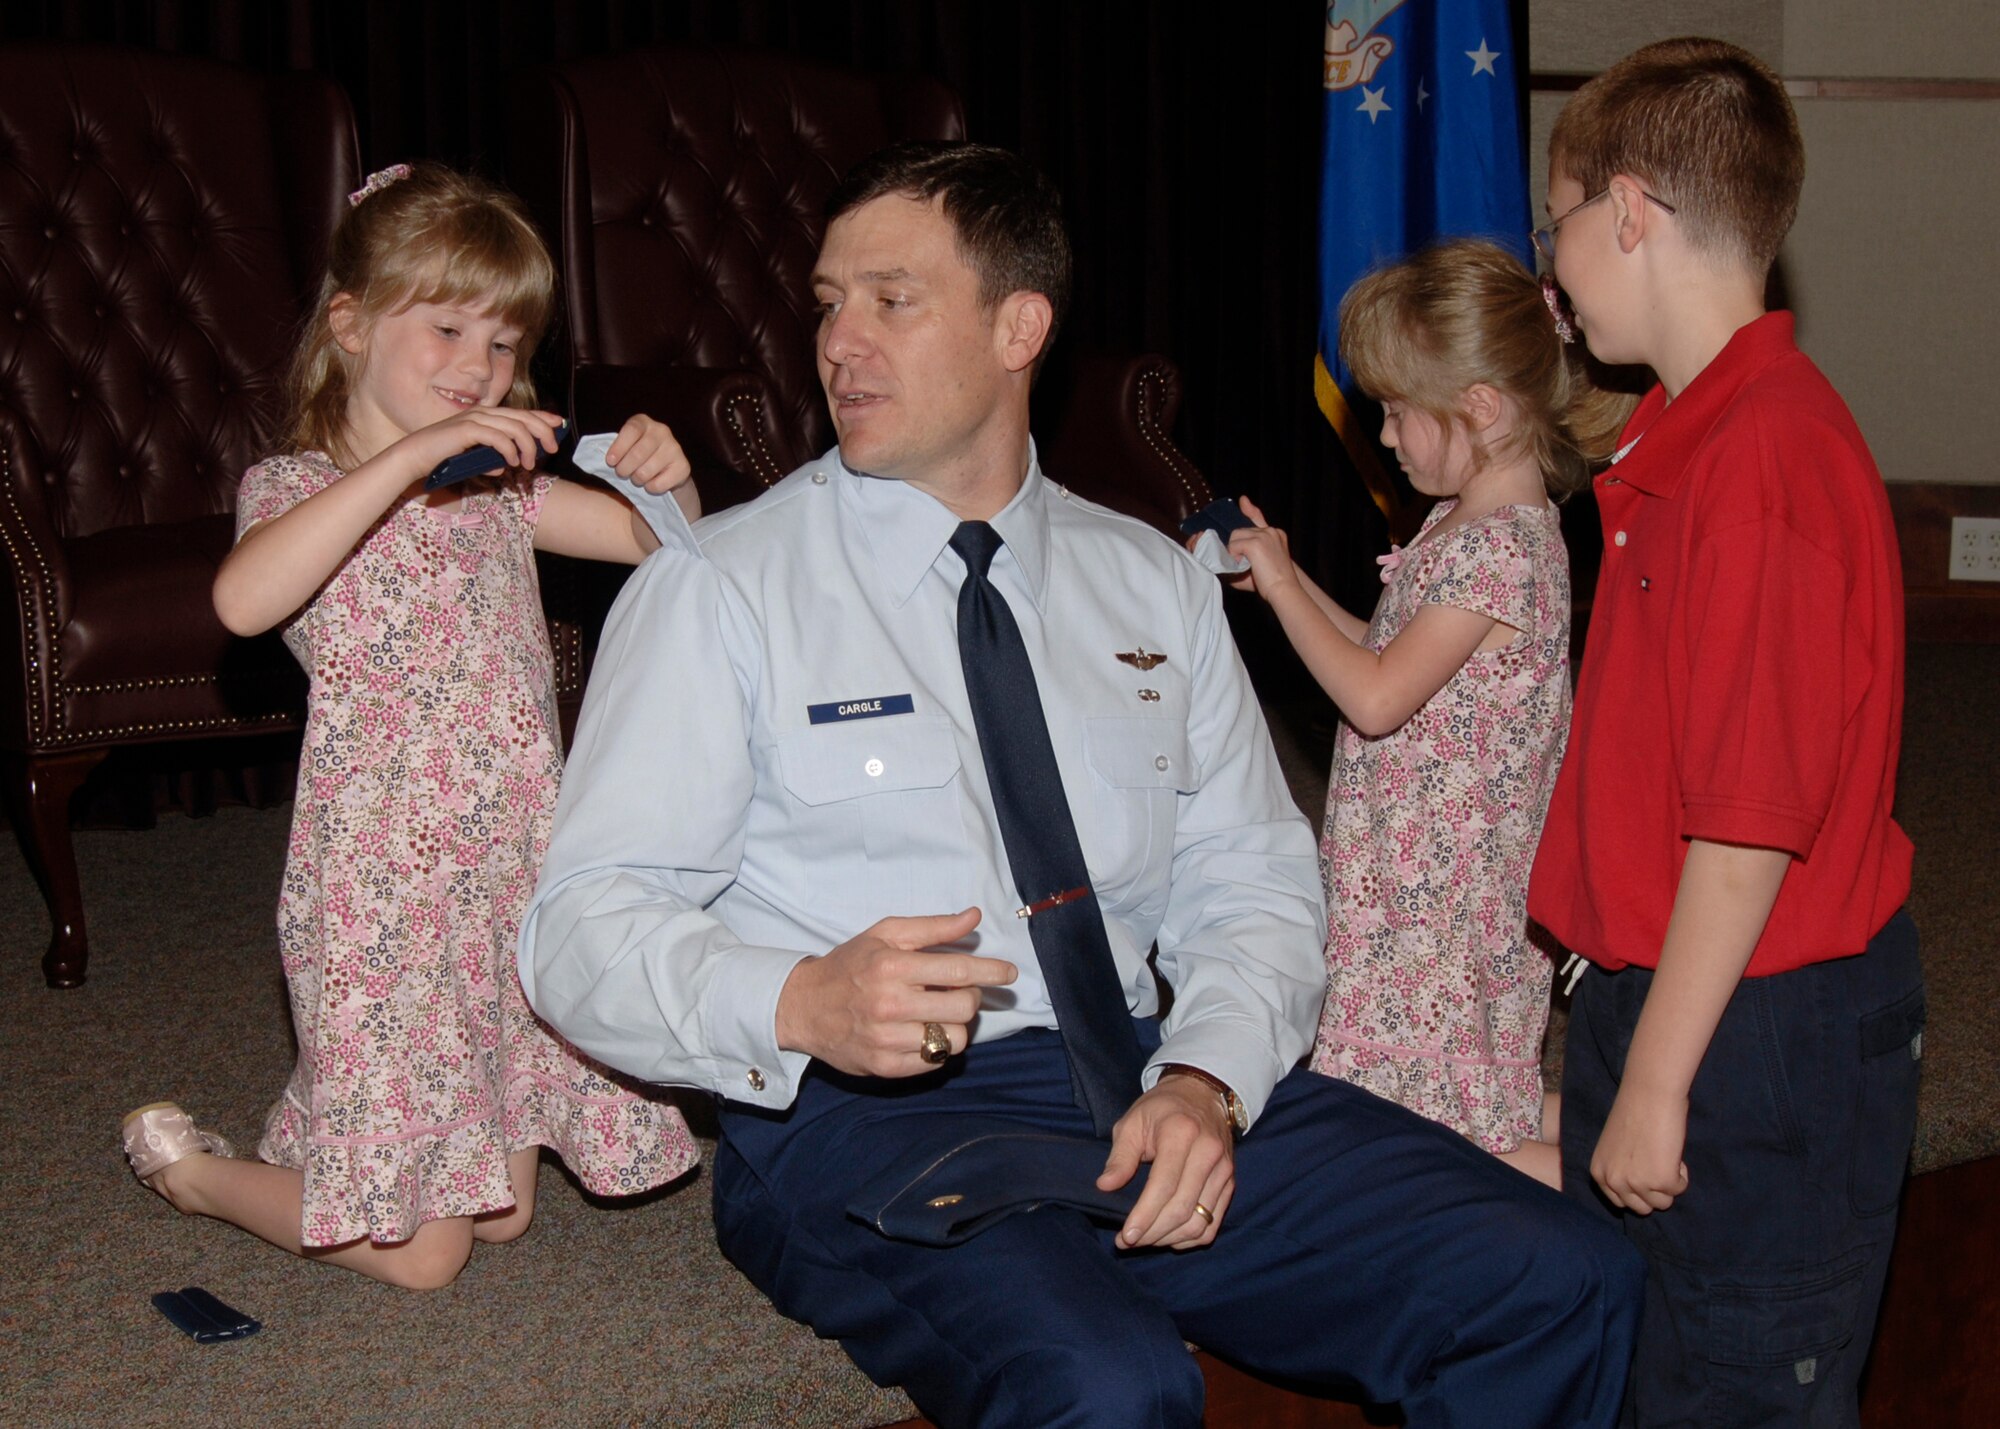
x=1673 y=429
x=907 y=529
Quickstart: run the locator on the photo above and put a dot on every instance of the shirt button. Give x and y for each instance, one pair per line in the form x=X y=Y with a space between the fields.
x=1619 y=539
x=755 y=1078
x=874 y=768
x=1162 y=763
x=819 y=478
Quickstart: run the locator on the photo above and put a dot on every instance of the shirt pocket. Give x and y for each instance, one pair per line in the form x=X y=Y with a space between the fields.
x=877 y=818
x=1140 y=766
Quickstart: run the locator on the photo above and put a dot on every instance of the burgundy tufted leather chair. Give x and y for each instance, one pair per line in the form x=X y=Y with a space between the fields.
x=684 y=186
x=161 y=222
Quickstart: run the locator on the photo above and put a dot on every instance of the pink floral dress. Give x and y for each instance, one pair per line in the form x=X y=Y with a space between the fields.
x=1435 y=997
x=426 y=787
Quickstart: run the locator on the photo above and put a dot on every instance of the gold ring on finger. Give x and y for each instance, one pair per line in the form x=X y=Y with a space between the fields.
x=936 y=1046
x=1204 y=1212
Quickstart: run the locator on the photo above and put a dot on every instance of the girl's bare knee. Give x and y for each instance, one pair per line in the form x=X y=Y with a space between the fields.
x=429 y=1260
x=423 y=1272
x=506 y=1226
x=499 y=1227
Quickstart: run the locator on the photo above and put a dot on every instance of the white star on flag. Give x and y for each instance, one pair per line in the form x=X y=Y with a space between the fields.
x=1372 y=103
x=1482 y=58
x=1423 y=94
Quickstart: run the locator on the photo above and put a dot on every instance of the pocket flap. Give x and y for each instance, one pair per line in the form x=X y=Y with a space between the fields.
x=1140 y=752
x=1895 y=1026
x=1784 y=1322
x=824 y=764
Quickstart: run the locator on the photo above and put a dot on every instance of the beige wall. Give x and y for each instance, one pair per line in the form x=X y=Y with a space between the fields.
x=1583 y=36
x=1893 y=274
x=1890 y=267
x=1928 y=39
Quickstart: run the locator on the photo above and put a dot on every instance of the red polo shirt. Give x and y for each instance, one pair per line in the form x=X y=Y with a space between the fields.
x=1743 y=677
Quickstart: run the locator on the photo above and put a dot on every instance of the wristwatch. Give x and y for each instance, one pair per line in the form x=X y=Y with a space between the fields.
x=1232 y=1105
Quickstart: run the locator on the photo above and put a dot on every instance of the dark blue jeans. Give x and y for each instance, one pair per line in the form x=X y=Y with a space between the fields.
x=1367 y=1250
x=1764 y=1278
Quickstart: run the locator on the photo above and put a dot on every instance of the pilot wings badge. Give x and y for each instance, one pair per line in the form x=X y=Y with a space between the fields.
x=1142 y=657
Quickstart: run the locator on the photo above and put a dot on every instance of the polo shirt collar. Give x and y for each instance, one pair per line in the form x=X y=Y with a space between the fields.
x=1658 y=464
x=907 y=529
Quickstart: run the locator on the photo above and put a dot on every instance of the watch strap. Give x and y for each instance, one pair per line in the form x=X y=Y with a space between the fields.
x=1232 y=1105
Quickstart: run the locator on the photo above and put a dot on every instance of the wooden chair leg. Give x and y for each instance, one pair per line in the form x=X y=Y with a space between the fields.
x=40 y=792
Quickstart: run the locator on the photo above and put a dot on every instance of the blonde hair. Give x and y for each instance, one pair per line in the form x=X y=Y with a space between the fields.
x=1464 y=312
x=1707 y=126
x=433 y=237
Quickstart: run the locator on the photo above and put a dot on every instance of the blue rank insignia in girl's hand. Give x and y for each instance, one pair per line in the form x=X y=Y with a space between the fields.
x=478 y=461
x=1221 y=516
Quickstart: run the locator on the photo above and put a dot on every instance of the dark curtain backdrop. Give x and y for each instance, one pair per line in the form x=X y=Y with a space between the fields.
x=1185 y=138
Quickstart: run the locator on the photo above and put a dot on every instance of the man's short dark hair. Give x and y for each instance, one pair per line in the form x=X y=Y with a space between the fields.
x=1006 y=213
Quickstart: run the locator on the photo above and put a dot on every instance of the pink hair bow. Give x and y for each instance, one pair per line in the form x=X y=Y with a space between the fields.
x=377 y=181
x=1565 y=329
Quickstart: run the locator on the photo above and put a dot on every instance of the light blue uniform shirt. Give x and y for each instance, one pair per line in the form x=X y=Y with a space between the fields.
x=734 y=802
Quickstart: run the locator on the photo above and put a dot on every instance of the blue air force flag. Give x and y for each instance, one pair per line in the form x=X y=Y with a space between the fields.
x=1423 y=141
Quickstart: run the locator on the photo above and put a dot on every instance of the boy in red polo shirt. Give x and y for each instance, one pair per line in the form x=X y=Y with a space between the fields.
x=1740 y=1079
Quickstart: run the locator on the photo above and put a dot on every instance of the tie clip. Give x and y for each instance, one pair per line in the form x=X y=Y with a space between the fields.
x=1054 y=900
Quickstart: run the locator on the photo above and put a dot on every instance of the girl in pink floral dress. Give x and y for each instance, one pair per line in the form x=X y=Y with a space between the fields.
x=1455 y=697
x=424 y=1086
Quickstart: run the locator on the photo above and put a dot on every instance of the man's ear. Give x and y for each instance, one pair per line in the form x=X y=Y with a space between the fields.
x=1021 y=329
x=1632 y=215
x=343 y=315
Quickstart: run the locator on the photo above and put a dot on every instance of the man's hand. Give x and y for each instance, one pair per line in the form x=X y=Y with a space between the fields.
x=862 y=1007
x=1637 y=1163
x=1181 y=1127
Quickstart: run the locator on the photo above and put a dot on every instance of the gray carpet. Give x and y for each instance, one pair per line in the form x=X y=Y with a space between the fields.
x=602 y=1314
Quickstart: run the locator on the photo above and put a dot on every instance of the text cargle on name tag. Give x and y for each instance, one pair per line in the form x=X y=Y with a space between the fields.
x=871 y=707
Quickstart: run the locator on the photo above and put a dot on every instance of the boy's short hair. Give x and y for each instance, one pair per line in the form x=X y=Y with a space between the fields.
x=1710 y=129
x=1006 y=213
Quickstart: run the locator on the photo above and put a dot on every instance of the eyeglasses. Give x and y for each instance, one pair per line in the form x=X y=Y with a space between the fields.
x=1545 y=236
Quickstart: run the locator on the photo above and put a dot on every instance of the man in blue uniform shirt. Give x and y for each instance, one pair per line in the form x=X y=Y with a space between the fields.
x=809 y=857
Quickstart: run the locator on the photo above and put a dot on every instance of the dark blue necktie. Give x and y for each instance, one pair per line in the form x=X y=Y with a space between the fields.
x=1064 y=921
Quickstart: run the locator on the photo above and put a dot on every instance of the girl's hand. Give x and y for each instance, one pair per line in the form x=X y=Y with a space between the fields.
x=1267 y=549
x=521 y=437
x=647 y=454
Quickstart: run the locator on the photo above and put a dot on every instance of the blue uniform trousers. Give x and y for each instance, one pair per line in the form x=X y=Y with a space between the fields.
x=1367 y=1251
x=1766 y=1276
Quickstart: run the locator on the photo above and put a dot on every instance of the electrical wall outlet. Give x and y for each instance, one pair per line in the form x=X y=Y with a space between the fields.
x=1975 y=548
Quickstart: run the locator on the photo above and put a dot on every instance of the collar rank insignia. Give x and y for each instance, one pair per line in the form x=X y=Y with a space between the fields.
x=1142 y=657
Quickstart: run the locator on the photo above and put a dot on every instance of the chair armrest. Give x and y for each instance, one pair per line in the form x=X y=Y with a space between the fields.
x=38 y=569
x=721 y=416
x=1111 y=439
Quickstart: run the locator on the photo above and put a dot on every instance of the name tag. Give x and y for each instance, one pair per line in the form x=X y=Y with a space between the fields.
x=860 y=709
